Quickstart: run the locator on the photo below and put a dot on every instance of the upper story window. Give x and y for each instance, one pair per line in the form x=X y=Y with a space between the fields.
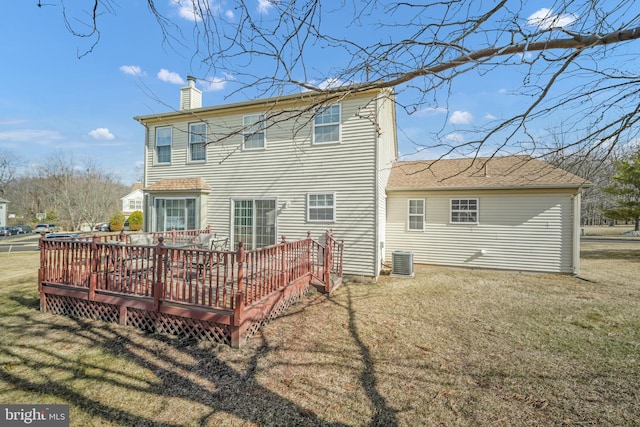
x=135 y=204
x=198 y=142
x=464 y=211
x=326 y=125
x=163 y=144
x=321 y=207
x=254 y=132
x=416 y=214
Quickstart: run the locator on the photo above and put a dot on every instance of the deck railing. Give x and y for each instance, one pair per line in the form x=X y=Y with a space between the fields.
x=179 y=272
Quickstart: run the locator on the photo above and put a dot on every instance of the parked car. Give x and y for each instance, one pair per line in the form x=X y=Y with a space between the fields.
x=46 y=228
x=5 y=231
x=22 y=229
x=103 y=226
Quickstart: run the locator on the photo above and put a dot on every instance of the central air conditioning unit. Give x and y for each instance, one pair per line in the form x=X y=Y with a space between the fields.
x=402 y=263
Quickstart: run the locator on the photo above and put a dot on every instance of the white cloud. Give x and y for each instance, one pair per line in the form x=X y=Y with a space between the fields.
x=490 y=116
x=186 y=10
x=229 y=14
x=36 y=136
x=132 y=70
x=455 y=137
x=214 y=84
x=430 y=111
x=460 y=118
x=545 y=19
x=170 y=77
x=331 y=83
x=264 y=6
x=502 y=91
x=101 y=133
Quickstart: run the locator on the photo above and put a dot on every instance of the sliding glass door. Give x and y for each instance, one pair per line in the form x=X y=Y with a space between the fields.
x=254 y=223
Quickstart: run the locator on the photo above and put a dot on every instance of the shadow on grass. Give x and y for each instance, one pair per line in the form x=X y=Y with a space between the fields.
x=612 y=254
x=383 y=414
x=39 y=366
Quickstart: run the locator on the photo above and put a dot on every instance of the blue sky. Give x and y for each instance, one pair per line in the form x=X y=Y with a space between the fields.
x=52 y=100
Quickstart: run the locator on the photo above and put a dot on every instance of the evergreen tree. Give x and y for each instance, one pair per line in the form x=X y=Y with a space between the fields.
x=626 y=190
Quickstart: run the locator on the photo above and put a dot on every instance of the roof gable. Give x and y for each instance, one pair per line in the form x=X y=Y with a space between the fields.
x=508 y=172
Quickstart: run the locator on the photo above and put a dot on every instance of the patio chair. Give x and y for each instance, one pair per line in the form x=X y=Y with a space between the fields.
x=221 y=244
x=141 y=239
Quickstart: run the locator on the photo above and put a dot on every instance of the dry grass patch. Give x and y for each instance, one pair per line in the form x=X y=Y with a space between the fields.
x=448 y=347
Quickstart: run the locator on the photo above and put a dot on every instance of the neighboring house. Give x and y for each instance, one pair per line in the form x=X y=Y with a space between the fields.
x=513 y=213
x=133 y=201
x=258 y=170
x=4 y=211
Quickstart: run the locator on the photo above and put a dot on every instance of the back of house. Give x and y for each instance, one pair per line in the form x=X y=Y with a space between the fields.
x=258 y=170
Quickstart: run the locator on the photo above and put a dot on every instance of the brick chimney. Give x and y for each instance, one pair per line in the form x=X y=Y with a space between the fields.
x=190 y=96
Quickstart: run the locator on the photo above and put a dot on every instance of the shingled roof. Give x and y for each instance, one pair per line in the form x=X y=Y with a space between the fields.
x=508 y=172
x=182 y=184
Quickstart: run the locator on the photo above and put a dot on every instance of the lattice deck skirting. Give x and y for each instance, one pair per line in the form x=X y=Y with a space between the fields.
x=166 y=323
x=141 y=319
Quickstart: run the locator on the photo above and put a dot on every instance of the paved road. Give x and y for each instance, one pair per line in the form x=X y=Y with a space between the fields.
x=19 y=243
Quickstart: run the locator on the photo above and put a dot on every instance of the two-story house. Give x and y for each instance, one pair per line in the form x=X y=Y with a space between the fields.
x=258 y=170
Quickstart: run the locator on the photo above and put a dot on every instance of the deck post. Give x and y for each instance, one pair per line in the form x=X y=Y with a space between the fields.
x=158 y=281
x=284 y=264
x=93 y=270
x=309 y=266
x=41 y=274
x=328 y=258
x=240 y=255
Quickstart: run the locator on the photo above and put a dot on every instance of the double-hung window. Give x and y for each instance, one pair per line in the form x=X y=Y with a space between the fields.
x=326 y=125
x=198 y=142
x=254 y=132
x=163 y=144
x=135 y=204
x=416 y=214
x=321 y=207
x=464 y=211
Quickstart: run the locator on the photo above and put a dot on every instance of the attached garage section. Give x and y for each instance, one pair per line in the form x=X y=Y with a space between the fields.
x=532 y=231
x=509 y=213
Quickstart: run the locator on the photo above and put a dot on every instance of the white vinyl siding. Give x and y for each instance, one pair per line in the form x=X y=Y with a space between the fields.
x=326 y=125
x=197 y=142
x=526 y=230
x=254 y=137
x=321 y=207
x=163 y=144
x=415 y=219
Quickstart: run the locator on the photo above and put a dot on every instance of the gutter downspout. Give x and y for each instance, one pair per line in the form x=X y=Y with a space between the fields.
x=575 y=262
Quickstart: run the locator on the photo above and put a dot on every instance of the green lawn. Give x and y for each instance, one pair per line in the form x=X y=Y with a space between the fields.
x=448 y=347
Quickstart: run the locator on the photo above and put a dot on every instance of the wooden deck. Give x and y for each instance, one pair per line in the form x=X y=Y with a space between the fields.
x=180 y=288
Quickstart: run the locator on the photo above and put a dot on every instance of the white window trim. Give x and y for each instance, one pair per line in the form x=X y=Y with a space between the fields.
x=423 y=215
x=477 y=211
x=326 y=221
x=232 y=210
x=313 y=134
x=249 y=132
x=190 y=156
x=157 y=161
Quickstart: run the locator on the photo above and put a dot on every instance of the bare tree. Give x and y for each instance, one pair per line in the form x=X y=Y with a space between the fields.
x=573 y=57
x=77 y=193
x=9 y=163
